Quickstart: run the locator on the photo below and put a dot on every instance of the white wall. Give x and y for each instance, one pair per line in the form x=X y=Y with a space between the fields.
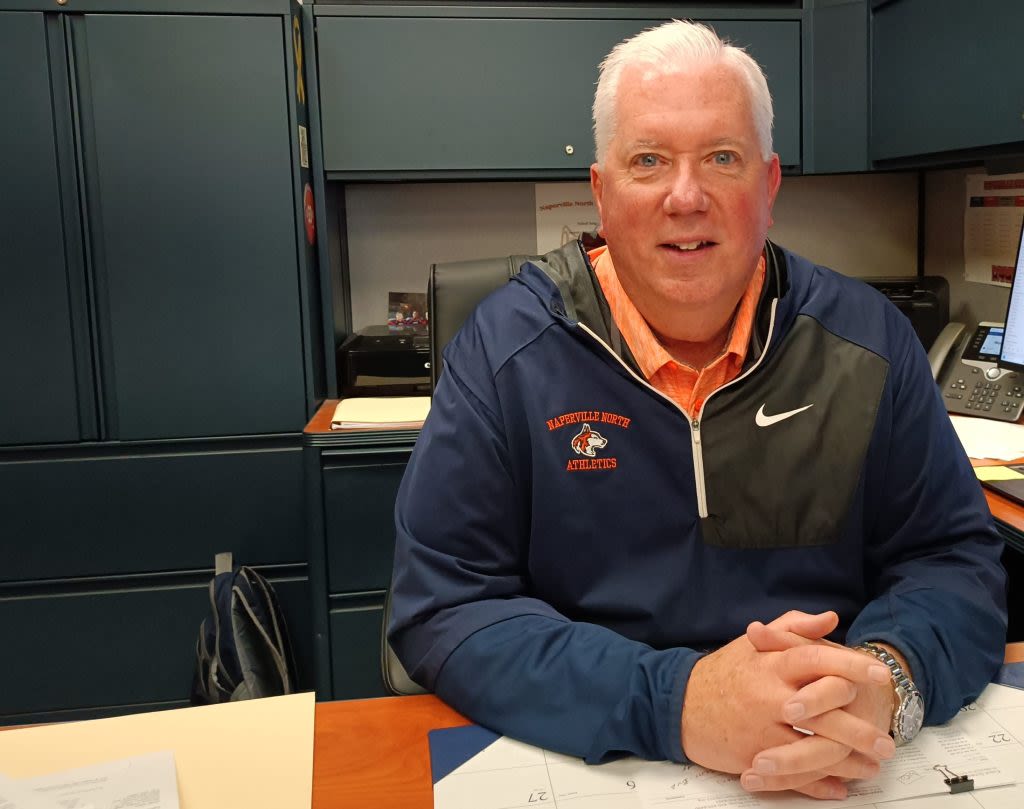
x=861 y=224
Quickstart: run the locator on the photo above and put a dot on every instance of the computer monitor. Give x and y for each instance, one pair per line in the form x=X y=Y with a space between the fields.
x=1011 y=353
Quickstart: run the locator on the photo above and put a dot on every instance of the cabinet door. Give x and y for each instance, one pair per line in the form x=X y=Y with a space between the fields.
x=495 y=94
x=38 y=393
x=945 y=75
x=838 y=103
x=192 y=223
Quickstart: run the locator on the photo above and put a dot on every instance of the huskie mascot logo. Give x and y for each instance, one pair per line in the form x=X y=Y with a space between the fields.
x=586 y=441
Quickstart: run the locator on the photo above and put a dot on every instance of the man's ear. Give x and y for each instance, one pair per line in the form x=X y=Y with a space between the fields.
x=596 y=189
x=774 y=181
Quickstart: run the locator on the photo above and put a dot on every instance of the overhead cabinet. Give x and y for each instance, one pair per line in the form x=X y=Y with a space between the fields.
x=493 y=96
x=945 y=77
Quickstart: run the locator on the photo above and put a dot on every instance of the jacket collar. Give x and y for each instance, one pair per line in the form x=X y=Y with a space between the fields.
x=567 y=284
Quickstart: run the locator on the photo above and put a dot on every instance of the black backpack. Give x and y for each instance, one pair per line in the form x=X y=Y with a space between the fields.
x=243 y=650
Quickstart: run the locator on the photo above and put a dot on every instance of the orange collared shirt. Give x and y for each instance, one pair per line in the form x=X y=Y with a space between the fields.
x=686 y=386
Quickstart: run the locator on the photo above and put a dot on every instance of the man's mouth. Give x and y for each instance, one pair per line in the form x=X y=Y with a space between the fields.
x=688 y=247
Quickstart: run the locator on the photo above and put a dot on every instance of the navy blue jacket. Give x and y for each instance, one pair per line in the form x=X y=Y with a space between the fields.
x=569 y=541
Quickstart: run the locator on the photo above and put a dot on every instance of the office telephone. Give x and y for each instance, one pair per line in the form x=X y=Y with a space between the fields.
x=965 y=363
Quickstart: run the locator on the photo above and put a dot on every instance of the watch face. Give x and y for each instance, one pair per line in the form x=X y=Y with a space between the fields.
x=911 y=717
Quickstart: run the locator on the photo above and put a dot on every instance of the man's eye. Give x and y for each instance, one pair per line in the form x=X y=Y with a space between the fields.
x=647 y=161
x=724 y=158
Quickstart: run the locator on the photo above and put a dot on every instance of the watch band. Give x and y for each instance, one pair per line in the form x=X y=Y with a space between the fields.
x=908 y=716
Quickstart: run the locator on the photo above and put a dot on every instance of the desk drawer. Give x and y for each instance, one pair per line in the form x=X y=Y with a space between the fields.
x=66 y=651
x=359 y=503
x=355 y=651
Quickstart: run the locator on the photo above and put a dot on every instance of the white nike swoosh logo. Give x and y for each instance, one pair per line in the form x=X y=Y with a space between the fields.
x=767 y=421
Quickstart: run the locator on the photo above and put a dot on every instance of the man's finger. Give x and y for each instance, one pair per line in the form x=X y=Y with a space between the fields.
x=752 y=782
x=826 y=789
x=852 y=731
x=804 y=664
x=805 y=755
x=807 y=624
x=817 y=698
x=778 y=765
x=794 y=628
x=766 y=638
x=855 y=767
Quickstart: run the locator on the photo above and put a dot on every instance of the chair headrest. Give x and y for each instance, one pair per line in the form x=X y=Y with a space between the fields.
x=454 y=288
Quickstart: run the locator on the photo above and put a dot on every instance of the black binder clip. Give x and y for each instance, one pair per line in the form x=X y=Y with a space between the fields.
x=956 y=783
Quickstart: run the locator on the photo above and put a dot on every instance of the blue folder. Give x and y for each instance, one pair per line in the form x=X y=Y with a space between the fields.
x=1011 y=674
x=450 y=748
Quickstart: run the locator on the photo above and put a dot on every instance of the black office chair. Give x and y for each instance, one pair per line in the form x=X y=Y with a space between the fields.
x=454 y=289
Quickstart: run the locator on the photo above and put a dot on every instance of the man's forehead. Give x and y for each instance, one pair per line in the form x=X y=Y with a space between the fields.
x=654 y=144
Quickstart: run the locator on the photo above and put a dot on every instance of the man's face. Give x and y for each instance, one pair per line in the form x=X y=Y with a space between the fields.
x=685 y=197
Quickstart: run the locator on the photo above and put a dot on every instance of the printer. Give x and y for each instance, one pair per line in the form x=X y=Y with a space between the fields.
x=924 y=299
x=384 y=361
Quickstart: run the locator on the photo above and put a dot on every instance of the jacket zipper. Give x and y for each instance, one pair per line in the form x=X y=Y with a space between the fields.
x=695 y=421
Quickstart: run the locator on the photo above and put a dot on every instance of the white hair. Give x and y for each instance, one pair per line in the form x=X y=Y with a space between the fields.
x=672 y=47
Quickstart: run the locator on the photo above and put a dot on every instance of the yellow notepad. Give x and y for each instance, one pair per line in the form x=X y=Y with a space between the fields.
x=997 y=473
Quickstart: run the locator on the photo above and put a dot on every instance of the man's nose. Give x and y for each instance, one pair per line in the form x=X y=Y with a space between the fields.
x=686 y=194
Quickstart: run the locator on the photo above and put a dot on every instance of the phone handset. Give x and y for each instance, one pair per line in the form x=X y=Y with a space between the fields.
x=942 y=349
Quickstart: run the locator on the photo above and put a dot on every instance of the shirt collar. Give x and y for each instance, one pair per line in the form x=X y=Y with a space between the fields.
x=650 y=354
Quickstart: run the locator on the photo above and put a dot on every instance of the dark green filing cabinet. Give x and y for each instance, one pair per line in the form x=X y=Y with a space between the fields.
x=161 y=337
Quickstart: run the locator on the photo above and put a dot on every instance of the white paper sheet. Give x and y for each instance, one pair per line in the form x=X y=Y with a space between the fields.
x=13 y=795
x=985 y=741
x=988 y=438
x=140 y=782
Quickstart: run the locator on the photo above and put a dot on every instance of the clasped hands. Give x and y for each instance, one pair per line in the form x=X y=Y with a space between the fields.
x=786 y=709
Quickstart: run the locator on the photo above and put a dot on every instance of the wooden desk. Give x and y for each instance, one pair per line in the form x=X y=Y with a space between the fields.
x=373 y=752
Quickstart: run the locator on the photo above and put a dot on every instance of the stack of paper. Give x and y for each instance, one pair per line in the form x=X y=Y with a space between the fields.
x=250 y=754
x=143 y=782
x=382 y=413
x=987 y=438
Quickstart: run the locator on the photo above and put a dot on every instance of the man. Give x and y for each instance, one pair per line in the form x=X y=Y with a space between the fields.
x=640 y=455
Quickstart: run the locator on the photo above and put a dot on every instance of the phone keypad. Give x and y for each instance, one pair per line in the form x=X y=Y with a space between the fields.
x=976 y=395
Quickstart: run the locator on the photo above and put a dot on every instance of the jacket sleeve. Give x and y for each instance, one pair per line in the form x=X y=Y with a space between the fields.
x=937 y=585
x=463 y=621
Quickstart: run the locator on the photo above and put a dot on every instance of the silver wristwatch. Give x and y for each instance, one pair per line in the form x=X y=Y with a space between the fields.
x=909 y=714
